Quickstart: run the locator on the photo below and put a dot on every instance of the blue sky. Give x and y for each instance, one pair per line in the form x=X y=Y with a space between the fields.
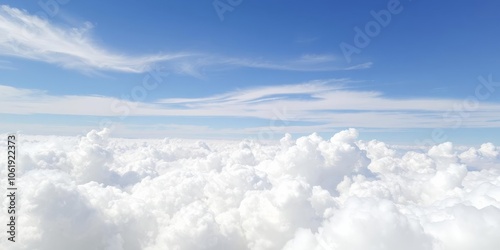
x=252 y=69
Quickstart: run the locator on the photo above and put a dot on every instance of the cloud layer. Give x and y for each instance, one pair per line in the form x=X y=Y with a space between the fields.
x=96 y=192
x=317 y=105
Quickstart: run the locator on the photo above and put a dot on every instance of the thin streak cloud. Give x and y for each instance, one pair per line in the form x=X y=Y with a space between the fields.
x=328 y=103
x=33 y=38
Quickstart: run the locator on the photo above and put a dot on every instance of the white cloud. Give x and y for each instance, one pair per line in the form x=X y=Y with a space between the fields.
x=316 y=58
x=96 y=192
x=198 y=64
x=304 y=63
x=324 y=104
x=262 y=94
x=28 y=36
x=6 y=65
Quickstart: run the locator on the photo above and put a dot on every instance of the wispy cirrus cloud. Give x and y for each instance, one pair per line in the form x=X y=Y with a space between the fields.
x=322 y=103
x=199 y=64
x=309 y=63
x=307 y=39
x=6 y=65
x=265 y=93
x=30 y=37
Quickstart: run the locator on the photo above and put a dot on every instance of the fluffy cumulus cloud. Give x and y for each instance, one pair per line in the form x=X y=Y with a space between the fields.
x=310 y=193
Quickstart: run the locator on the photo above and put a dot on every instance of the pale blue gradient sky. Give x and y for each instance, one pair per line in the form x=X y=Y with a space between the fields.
x=174 y=68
